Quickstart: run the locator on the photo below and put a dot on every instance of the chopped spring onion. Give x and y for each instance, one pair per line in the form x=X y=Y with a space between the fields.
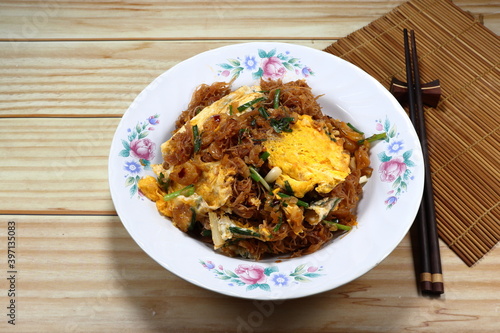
x=338 y=225
x=354 y=128
x=230 y=110
x=265 y=155
x=263 y=113
x=374 y=137
x=206 y=233
x=245 y=106
x=186 y=191
x=193 y=219
x=288 y=188
x=243 y=231
x=162 y=182
x=278 y=226
x=196 y=139
x=281 y=125
x=299 y=202
x=258 y=178
x=273 y=174
x=241 y=132
x=276 y=101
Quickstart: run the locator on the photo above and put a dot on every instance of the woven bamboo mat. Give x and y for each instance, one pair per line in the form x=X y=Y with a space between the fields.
x=462 y=130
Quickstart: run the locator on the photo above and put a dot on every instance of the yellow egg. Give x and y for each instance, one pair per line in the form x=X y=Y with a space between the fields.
x=308 y=158
x=215 y=184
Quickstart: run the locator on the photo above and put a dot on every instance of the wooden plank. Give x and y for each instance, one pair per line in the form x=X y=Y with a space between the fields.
x=55 y=165
x=78 y=20
x=88 y=78
x=34 y=20
x=86 y=274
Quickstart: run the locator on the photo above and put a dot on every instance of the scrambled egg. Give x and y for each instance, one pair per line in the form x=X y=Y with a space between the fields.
x=213 y=187
x=308 y=158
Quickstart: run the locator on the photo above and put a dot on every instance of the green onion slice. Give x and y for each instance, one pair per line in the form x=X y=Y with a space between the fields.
x=263 y=113
x=299 y=202
x=196 y=139
x=276 y=101
x=258 y=178
x=193 y=219
x=265 y=155
x=278 y=226
x=338 y=225
x=162 y=182
x=281 y=125
x=186 y=191
x=244 y=232
x=354 y=128
x=376 y=137
x=245 y=106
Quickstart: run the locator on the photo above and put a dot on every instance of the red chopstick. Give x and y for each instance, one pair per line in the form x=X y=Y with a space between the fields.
x=431 y=275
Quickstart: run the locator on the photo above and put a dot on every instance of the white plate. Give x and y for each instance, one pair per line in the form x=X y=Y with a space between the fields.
x=385 y=213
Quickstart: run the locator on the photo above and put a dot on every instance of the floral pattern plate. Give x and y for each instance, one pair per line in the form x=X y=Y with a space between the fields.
x=386 y=211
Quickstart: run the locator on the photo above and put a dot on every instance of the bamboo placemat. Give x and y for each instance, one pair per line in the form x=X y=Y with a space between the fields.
x=462 y=130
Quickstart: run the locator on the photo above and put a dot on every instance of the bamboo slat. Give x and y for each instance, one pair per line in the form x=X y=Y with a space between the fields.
x=86 y=274
x=88 y=78
x=463 y=130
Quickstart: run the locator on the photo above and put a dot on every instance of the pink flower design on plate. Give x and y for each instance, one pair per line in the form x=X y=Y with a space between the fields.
x=392 y=169
x=251 y=274
x=273 y=68
x=143 y=148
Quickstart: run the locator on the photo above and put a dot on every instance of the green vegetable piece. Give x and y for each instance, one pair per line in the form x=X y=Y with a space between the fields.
x=162 y=182
x=276 y=101
x=278 y=226
x=244 y=232
x=281 y=125
x=245 y=106
x=354 y=128
x=186 y=191
x=263 y=113
x=288 y=188
x=193 y=219
x=299 y=202
x=265 y=155
x=258 y=178
x=241 y=132
x=206 y=233
x=338 y=225
x=196 y=139
x=374 y=137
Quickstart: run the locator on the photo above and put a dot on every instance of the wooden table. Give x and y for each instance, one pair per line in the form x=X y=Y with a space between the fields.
x=69 y=70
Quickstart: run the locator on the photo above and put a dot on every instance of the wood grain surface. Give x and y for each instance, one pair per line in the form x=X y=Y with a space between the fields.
x=68 y=72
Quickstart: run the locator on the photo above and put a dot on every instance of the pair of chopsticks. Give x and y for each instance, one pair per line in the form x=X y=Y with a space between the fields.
x=431 y=276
